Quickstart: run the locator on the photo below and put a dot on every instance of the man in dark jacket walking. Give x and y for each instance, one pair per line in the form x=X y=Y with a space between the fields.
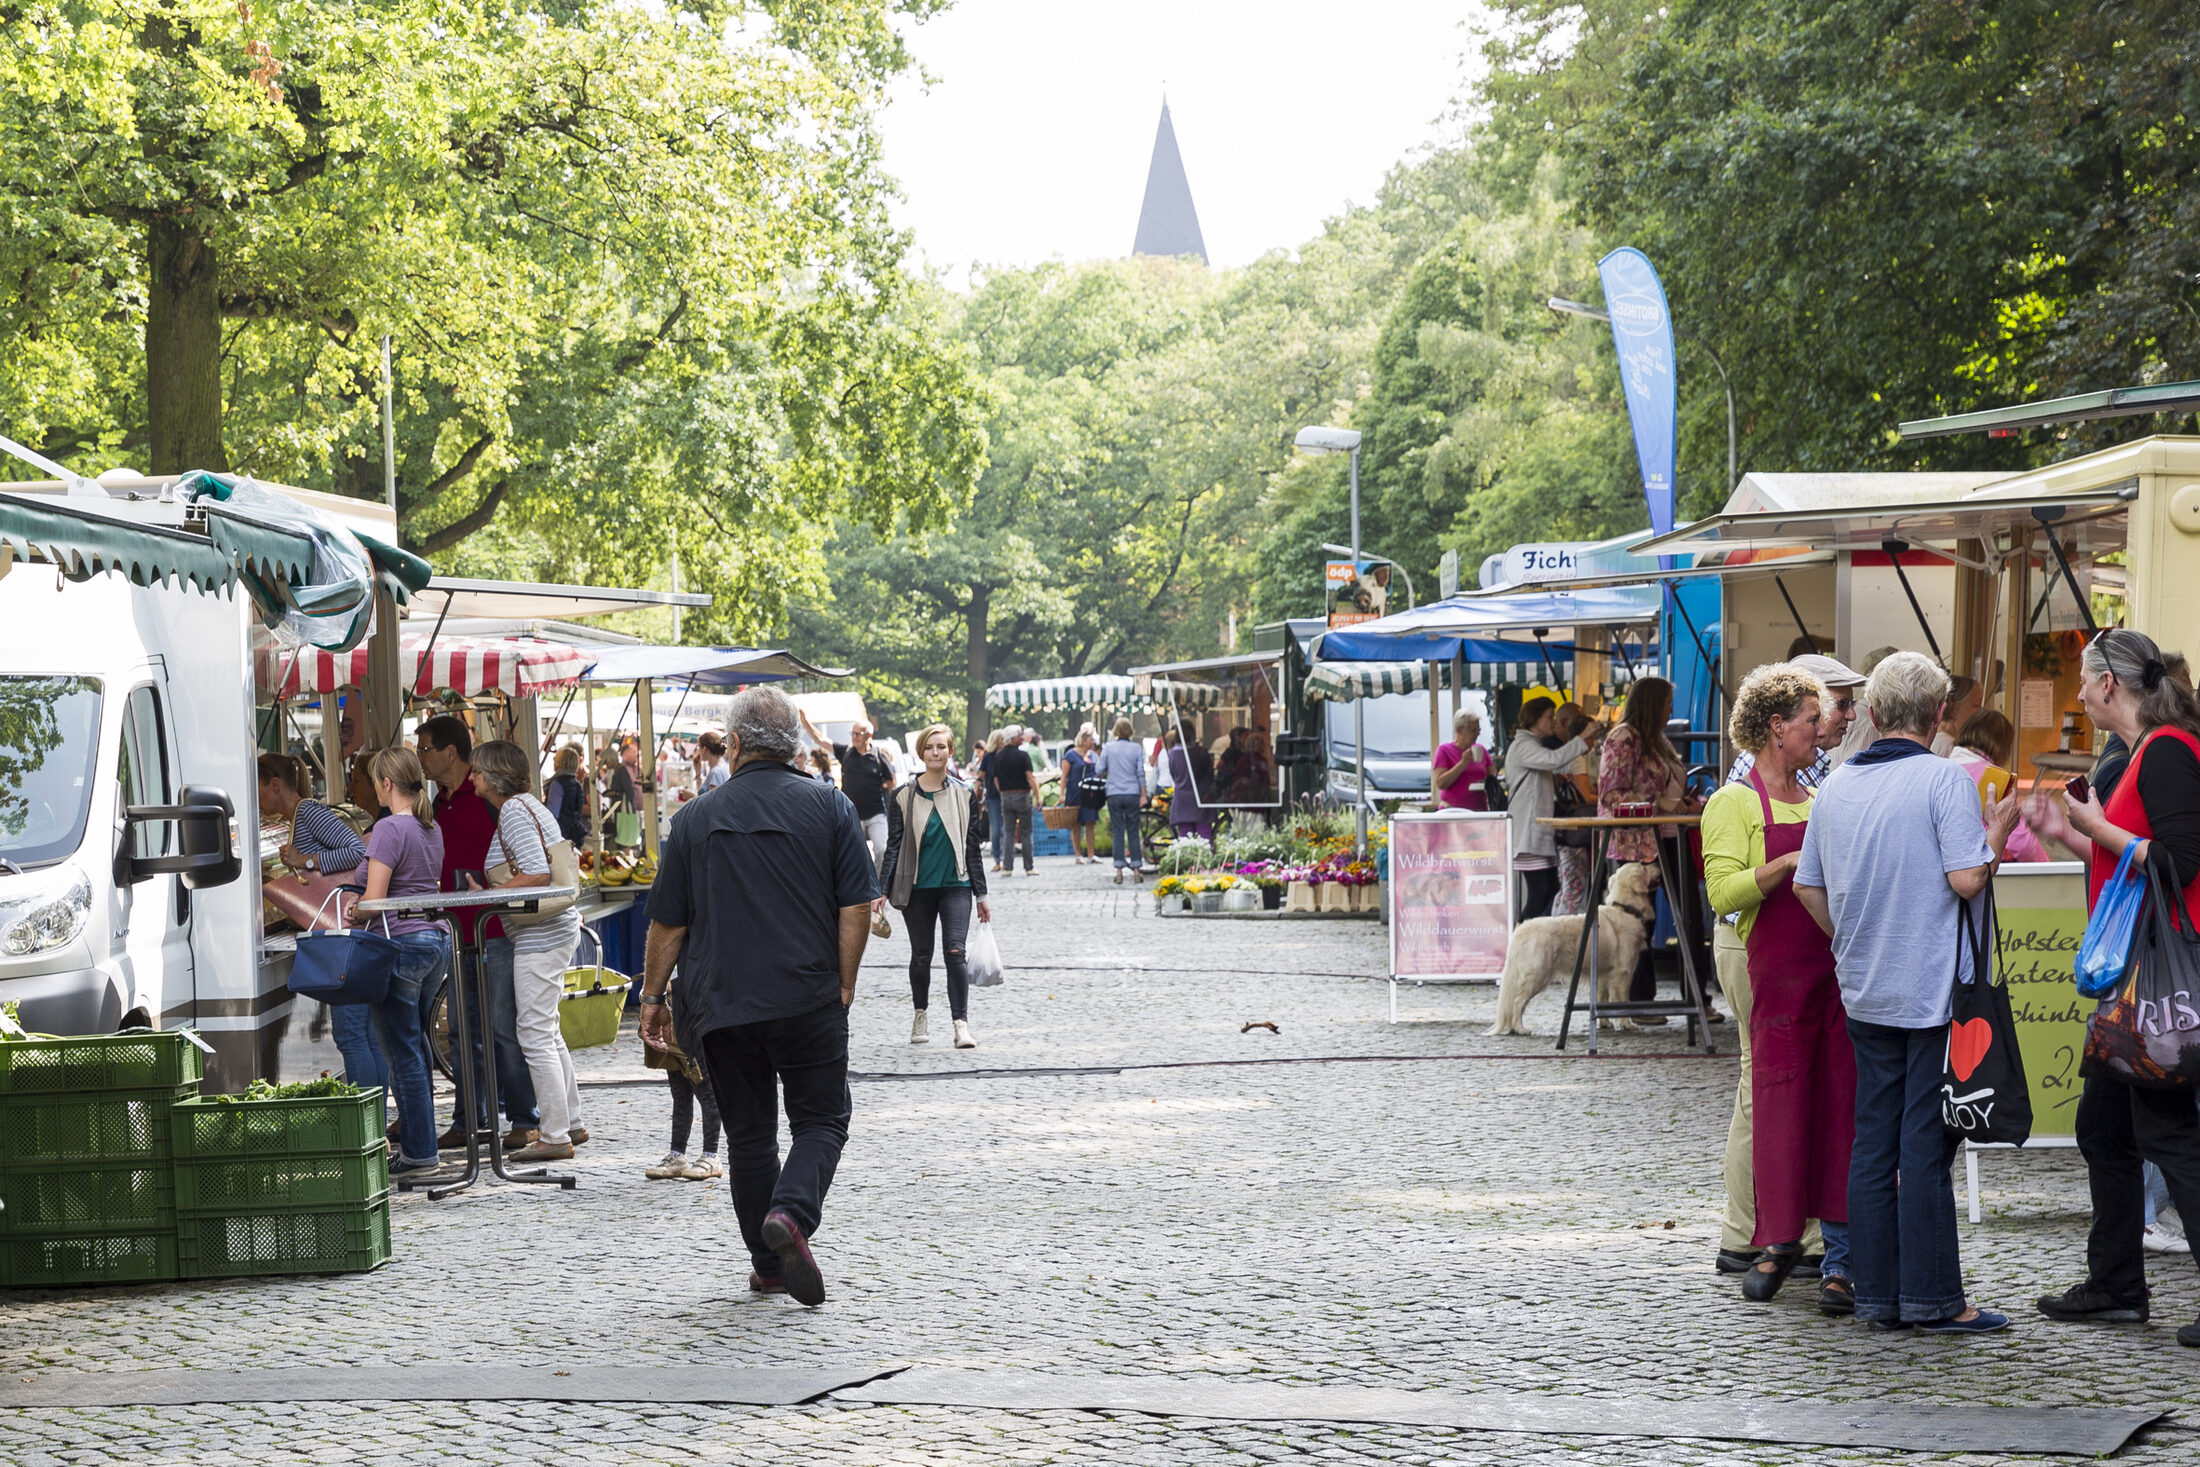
x=763 y=901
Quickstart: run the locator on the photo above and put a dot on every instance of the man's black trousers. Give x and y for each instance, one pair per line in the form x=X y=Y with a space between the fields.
x=807 y=1056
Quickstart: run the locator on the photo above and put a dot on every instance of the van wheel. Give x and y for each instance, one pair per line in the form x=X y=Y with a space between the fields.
x=137 y=1018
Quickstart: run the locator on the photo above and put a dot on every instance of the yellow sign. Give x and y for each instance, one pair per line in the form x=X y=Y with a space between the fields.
x=2041 y=908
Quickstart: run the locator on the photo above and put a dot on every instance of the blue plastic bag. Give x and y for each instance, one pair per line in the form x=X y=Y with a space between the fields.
x=2106 y=951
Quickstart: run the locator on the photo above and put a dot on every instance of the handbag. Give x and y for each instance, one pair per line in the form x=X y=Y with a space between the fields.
x=2105 y=953
x=345 y=967
x=565 y=870
x=1568 y=804
x=1983 y=1093
x=2148 y=1032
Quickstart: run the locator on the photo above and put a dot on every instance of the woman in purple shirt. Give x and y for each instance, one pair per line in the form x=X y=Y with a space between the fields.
x=405 y=858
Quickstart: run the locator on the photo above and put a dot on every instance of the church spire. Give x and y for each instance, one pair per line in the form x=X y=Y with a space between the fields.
x=1167 y=223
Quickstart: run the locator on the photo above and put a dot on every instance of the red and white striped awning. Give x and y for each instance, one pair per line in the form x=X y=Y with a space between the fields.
x=516 y=666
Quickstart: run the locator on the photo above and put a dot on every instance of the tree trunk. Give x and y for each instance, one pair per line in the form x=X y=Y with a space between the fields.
x=979 y=721
x=183 y=345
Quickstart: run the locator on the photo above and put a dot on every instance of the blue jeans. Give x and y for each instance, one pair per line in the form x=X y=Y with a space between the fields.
x=1123 y=829
x=997 y=818
x=1902 y=1254
x=515 y=1086
x=405 y=1043
x=351 y=1025
x=2157 y=1187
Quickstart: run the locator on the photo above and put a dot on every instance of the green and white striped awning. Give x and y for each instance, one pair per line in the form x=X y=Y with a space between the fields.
x=1344 y=681
x=1108 y=690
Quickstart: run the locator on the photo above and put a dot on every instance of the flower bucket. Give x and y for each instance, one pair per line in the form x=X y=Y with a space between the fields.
x=1241 y=899
x=1207 y=901
x=1271 y=898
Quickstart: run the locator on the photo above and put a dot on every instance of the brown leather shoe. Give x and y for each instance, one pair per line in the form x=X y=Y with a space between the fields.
x=758 y=1284
x=543 y=1151
x=517 y=1137
x=797 y=1267
x=452 y=1140
x=578 y=1135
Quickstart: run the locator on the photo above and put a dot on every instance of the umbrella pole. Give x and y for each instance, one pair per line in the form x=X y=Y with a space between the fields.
x=647 y=715
x=1435 y=795
x=588 y=773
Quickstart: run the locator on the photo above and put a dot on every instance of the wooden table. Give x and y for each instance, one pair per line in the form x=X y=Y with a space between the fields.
x=1680 y=897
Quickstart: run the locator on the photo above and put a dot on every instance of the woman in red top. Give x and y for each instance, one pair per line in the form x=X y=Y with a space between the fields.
x=2126 y=690
x=1462 y=765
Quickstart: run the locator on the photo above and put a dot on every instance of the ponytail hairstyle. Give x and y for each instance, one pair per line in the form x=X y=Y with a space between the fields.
x=2137 y=663
x=401 y=767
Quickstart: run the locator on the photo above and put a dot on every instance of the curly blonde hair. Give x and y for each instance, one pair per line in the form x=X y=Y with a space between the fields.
x=1776 y=690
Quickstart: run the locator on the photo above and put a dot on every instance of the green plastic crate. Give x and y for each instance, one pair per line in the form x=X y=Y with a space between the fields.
x=309 y=1179
x=152 y=1059
x=305 y=1127
x=348 y=1239
x=91 y=1258
x=87 y=1198
x=112 y=1126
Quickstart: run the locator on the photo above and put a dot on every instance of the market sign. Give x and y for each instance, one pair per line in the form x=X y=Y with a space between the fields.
x=1642 y=334
x=1524 y=565
x=1450 y=894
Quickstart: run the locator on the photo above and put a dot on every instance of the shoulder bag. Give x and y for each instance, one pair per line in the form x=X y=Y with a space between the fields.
x=1983 y=1094
x=2147 y=1033
x=565 y=870
x=344 y=967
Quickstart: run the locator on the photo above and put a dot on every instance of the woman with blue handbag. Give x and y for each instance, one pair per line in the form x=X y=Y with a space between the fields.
x=405 y=858
x=2152 y=818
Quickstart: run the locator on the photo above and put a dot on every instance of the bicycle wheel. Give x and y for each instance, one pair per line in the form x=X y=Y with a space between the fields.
x=1155 y=834
x=439 y=1030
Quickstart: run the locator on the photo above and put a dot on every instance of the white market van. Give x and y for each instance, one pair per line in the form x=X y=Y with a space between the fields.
x=130 y=729
x=129 y=861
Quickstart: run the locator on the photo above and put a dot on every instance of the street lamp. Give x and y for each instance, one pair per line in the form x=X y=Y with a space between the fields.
x=1318 y=441
x=1411 y=599
x=1576 y=308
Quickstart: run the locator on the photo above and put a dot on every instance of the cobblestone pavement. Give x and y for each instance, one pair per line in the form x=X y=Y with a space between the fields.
x=1409 y=1205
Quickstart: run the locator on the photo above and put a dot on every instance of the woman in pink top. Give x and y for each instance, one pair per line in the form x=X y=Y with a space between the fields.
x=1986 y=738
x=1461 y=766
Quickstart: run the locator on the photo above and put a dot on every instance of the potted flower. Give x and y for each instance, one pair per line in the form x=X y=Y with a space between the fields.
x=1207 y=893
x=1171 y=889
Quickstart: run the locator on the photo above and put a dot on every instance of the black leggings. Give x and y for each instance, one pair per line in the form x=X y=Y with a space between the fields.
x=1538 y=889
x=685 y=1093
x=950 y=906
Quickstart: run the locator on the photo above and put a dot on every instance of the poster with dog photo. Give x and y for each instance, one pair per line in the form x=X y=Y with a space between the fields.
x=1450 y=894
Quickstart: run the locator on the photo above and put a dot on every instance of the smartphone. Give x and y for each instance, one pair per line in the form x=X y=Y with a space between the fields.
x=2078 y=789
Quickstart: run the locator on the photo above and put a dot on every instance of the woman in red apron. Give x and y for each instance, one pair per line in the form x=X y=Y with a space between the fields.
x=1803 y=1081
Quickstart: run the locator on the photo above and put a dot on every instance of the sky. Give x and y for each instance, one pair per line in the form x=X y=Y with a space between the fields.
x=1032 y=141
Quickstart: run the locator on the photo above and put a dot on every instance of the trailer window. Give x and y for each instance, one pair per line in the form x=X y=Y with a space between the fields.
x=143 y=770
x=49 y=748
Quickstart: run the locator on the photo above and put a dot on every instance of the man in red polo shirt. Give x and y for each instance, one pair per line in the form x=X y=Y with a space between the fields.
x=468 y=823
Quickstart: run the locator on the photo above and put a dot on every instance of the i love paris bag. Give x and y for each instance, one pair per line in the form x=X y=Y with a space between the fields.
x=1983 y=1094
x=2105 y=953
x=345 y=967
x=2147 y=1033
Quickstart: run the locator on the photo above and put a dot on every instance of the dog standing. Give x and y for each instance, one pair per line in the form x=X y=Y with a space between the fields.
x=1542 y=951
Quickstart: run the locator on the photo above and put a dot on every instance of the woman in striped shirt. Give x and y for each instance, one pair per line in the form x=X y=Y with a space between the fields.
x=541 y=951
x=320 y=840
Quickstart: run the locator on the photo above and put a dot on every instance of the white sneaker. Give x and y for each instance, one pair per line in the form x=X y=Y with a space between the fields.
x=2159 y=1239
x=918 y=1033
x=962 y=1035
x=672 y=1167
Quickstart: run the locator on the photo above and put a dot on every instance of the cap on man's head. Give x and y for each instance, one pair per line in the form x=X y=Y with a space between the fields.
x=1831 y=672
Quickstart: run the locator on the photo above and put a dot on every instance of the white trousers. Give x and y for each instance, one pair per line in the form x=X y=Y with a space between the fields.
x=874 y=831
x=538 y=982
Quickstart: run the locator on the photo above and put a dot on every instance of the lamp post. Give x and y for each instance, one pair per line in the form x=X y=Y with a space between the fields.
x=1318 y=441
x=1411 y=599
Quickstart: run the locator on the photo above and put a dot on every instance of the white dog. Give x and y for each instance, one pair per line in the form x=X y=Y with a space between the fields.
x=1542 y=951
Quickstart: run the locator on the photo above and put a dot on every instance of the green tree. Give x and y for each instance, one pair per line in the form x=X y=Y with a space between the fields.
x=635 y=269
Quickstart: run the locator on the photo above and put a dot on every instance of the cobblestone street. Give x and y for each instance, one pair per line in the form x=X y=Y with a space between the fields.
x=1346 y=1202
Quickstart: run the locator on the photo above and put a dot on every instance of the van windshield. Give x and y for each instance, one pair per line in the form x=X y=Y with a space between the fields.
x=49 y=745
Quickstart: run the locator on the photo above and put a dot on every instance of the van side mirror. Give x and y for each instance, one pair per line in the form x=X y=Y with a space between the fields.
x=208 y=853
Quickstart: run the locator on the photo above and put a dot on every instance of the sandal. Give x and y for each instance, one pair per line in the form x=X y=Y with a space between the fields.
x=1763 y=1281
